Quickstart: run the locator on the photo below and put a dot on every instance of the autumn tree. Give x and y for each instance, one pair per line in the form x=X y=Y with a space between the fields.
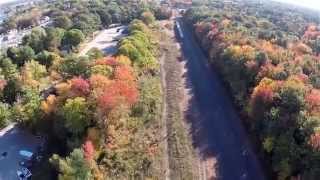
x=147 y=17
x=80 y=86
x=117 y=93
x=261 y=97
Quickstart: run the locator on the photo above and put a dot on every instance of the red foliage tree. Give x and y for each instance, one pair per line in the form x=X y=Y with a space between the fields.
x=313 y=100
x=80 y=86
x=3 y=84
x=314 y=141
x=88 y=150
x=118 y=92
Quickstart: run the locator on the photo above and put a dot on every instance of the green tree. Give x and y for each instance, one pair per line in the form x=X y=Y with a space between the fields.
x=76 y=114
x=20 y=55
x=75 y=66
x=9 y=70
x=106 y=18
x=95 y=53
x=53 y=39
x=62 y=22
x=87 y=23
x=11 y=91
x=73 y=167
x=73 y=38
x=36 y=39
x=5 y=114
x=46 y=58
x=27 y=110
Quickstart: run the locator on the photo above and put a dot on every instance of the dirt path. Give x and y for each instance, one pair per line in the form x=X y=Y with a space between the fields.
x=182 y=160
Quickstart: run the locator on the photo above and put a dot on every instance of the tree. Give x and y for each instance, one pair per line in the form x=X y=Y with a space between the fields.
x=147 y=17
x=88 y=150
x=73 y=38
x=9 y=70
x=20 y=55
x=95 y=53
x=28 y=109
x=45 y=58
x=36 y=39
x=124 y=73
x=11 y=91
x=76 y=114
x=62 y=22
x=292 y=96
x=75 y=66
x=80 y=86
x=5 y=115
x=32 y=74
x=118 y=93
x=87 y=23
x=73 y=167
x=99 y=83
x=262 y=97
x=53 y=39
x=105 y=17
x=49 y=105
x=163 y=12
x=313 y=100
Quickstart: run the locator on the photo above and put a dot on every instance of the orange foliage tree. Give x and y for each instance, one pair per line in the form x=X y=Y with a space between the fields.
x=261 y=97
x=124 y=73
x=117 y=93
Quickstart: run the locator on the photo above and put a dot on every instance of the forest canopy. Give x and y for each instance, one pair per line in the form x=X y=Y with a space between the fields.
x=268 y=55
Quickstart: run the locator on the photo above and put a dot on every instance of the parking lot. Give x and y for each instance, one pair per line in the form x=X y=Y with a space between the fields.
x=106 y=40
x=12 y=140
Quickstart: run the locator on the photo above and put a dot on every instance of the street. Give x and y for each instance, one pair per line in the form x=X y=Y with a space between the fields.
x=216 y=129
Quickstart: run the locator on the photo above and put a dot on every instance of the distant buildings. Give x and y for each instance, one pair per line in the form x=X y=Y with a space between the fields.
x=14 y=37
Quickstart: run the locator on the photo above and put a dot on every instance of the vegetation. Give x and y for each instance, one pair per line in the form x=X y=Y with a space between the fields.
x=103 y=110
x=268 y=54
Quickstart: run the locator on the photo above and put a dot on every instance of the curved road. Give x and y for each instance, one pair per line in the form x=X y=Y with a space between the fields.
x=216 y=128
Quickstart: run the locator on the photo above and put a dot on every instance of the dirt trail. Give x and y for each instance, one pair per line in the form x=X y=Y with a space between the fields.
x=182 y=161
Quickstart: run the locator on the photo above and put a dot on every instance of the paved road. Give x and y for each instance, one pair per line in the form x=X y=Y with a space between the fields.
x=216 y=128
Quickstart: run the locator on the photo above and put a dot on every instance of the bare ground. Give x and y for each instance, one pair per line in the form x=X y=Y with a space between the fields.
x=183 y=161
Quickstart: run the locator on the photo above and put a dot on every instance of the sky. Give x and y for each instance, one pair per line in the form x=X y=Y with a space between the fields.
x=314 y=4
x=6 y=1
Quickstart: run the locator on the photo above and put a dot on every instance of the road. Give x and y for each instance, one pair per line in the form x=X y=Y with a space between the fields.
x=106 y=41
x=217 y=131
